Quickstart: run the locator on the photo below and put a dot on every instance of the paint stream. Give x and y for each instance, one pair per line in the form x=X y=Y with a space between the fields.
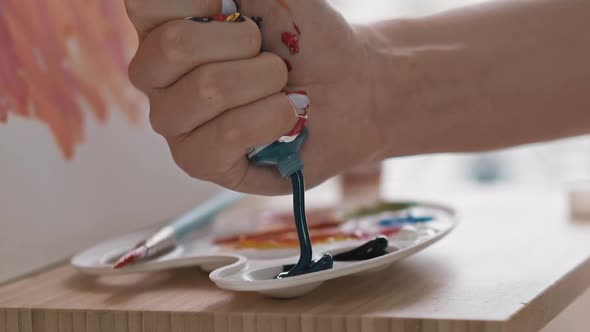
x=306 y=263
x=60 y=55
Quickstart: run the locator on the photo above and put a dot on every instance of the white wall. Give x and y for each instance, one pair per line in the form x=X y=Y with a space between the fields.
x=121 y=178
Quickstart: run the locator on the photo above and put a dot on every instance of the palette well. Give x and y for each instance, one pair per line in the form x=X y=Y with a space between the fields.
x=397 y=229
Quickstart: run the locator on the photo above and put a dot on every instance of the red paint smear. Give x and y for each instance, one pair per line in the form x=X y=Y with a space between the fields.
x=299 y=92
x=128 y=259
x=58 y=52
x=291 y=41
x=296 y=28
x=298 y=127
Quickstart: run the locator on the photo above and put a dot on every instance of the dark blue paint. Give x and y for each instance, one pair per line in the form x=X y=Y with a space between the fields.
x=372 y=249
x=305 y=263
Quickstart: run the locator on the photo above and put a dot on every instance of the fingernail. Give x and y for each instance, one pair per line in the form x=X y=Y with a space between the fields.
x=228 y=7
x=299 y=98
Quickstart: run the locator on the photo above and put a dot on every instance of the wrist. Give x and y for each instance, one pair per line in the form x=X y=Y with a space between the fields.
x=414 y=84
x=392 y=83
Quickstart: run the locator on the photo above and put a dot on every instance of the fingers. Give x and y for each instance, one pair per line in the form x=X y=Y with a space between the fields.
x=211 y=89
x=215 y=150
x=147 y=14
x=261 y=180
x=176 y=47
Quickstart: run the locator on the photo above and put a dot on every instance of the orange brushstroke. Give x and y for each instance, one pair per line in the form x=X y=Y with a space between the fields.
x=59 y=55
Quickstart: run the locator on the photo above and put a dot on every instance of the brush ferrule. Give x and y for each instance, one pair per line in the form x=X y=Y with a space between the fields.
x=164 y=239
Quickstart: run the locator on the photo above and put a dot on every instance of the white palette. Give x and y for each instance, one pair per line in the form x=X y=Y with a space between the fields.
x=255 y=270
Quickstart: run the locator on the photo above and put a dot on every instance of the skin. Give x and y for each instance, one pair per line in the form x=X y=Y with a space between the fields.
x=477 y=78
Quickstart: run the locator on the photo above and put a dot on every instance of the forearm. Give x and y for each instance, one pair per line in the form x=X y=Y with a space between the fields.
x=484 y=77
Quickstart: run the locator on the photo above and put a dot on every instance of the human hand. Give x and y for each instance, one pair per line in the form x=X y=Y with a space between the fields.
x=213 y=95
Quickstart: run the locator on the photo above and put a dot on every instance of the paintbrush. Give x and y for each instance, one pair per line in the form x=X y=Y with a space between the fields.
x=168 y=237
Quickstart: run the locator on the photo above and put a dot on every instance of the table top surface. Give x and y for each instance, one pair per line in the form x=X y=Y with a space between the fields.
x=513 y=263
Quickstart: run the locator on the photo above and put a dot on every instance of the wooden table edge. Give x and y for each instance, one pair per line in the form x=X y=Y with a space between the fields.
x=547 y=305
x=531 y=318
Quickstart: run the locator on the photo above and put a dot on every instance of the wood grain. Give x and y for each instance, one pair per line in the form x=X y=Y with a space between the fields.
x=512 y=265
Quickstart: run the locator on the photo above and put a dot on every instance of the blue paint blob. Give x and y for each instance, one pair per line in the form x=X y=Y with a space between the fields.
x=400 y=221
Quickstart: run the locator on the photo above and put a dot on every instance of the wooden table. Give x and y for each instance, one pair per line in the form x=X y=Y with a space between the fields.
x=514 y=262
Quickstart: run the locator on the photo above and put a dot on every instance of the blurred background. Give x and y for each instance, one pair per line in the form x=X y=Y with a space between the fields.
x=549 y=166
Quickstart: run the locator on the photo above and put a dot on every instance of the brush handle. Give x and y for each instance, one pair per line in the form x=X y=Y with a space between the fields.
x=203 y=213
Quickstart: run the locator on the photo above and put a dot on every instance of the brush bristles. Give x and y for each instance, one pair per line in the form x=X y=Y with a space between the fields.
x=131 y=257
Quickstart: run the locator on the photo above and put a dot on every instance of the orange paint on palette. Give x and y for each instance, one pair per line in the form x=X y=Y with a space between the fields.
x=61 y=58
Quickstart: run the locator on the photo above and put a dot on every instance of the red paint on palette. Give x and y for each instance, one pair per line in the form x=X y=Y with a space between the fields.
x=291 y=41
x=389 y=231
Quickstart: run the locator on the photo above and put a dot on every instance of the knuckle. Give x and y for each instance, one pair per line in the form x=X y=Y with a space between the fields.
x=174 y=41
x=226 y=132
x=209 y=91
